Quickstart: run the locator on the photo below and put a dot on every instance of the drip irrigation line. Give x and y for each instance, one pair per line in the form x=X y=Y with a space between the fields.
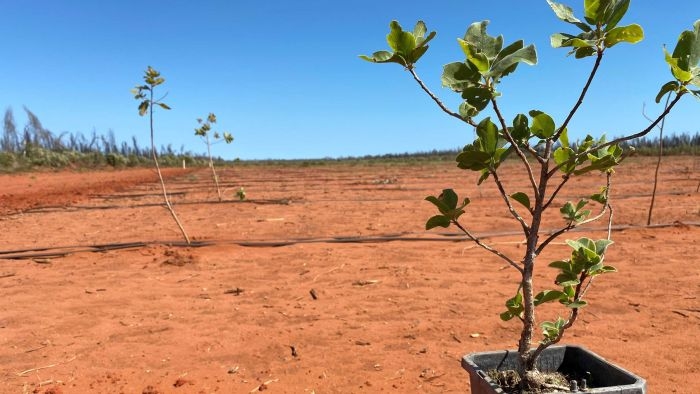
x=72 y=208
x=62 y=251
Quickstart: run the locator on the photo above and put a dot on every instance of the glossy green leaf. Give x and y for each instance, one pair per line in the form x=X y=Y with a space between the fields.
x=521 y=128
x=467 y=111
x=473 y=158
x=522 y=198
x=459 y=76
x=576 y=304
x=548 y=295
x=502 y=67
x=542 y=126
x=507 y=315
x=488 y=136
x=619 y=9
x=477 y=36
x=478 y=59
x=671 y=86
x=477 y=97
x=564 y=157
x=595 y=10
x=567 y=279
x=437 y=221
x=380 y=57
x=687 y=49
x=631 y=34
x=566 y=14
x=400 y=41
x=562 y=265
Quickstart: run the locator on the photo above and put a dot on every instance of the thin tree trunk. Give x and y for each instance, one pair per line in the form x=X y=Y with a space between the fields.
x=160 y=177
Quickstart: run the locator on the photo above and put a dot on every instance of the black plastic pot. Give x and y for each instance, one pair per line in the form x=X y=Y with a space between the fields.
x=601 y=376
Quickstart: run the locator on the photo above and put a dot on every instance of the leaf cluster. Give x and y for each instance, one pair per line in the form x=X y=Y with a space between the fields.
x=406 y=46
x=205 y=127
x=600 y=29
x=144 y=92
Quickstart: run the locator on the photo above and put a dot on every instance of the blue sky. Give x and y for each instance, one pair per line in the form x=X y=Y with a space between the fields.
x=285 y=79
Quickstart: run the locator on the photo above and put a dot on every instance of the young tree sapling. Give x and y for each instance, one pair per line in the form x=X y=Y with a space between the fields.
x=144 y=93
x=549 y=160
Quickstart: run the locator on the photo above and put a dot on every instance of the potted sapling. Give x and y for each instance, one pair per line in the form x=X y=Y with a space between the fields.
x=548 y=159
x=204 y=131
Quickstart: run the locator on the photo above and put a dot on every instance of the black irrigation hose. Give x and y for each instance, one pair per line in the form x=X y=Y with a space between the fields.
x=62 y=251
x=72 y=208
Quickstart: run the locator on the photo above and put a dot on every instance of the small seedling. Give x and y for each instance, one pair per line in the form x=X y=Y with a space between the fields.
x=240 y=193
x=204 y=131
x=144 y=93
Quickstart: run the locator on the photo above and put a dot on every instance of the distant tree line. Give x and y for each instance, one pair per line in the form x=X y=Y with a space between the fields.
x=34 y=146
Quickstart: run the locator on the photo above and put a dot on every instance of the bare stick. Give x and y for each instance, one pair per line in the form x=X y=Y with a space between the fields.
x=24 y=373
x=526 y=228
x=658 y=161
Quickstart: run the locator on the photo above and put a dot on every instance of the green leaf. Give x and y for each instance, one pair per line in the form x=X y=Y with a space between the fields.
x=566 y=14
x=565 y=279
x=542 y=126
x=548 y=295
x=143 y=107
x=478 y=59
x=576 y=304
x=618 y=12
x=488 y=136
x=671 y=86
x=458 y=76
x=631 y=34
x=505 y=316
x=601 y=246
x=522 y=198
x=228 y=137
x=477 y=97
x=419 y=31
x=502 y=67
x=437 y=221
x=688 y=48
x=595 y=10
x=380 y=57
x=521 y=128
x=562 y=265
x=473 y=158
x=163 y=105
x=563 y=157
x=400 y=41
x=600 y=197
x=483 y=43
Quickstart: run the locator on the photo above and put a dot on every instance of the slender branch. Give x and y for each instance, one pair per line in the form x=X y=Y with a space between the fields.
x=490 y=249
x=437 y=100
x=558 y=189
x=628 y=137
x=501 y=189
x=581 y=97
x=572 y=225
x=518 y=151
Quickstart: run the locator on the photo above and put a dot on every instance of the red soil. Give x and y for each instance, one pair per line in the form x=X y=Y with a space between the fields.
x=394 y=313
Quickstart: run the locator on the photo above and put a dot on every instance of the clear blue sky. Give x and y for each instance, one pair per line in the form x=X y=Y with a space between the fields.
x=284 y=77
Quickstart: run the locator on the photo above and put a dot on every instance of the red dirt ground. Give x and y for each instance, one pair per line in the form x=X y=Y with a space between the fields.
x=394 y=311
